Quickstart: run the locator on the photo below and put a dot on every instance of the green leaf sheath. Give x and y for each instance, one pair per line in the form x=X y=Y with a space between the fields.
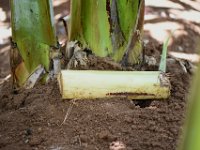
x=33 y=34
x=105 y=26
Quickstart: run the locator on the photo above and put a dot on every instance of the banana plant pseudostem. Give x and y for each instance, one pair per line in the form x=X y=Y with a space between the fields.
x=109 y=27
x=33 y=40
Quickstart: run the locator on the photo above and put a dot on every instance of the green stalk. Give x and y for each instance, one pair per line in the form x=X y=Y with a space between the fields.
x=191 y=136
x=109 y=27
x=33 y=36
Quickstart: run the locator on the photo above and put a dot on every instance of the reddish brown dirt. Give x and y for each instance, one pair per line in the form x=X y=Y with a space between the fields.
x=33 y=119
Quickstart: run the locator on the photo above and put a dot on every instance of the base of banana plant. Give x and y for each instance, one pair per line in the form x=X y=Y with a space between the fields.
x=110 y=28
x=34 y=45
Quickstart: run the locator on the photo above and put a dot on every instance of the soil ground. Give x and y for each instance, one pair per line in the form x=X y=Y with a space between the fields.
x=40 y=119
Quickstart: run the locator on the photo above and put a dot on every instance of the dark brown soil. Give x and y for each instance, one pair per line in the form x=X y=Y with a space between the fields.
x=39 y=119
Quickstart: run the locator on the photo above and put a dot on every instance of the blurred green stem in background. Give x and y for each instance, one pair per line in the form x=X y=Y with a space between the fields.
x=191 y=137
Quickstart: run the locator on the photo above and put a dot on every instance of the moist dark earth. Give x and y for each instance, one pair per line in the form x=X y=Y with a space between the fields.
x=39 y=119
